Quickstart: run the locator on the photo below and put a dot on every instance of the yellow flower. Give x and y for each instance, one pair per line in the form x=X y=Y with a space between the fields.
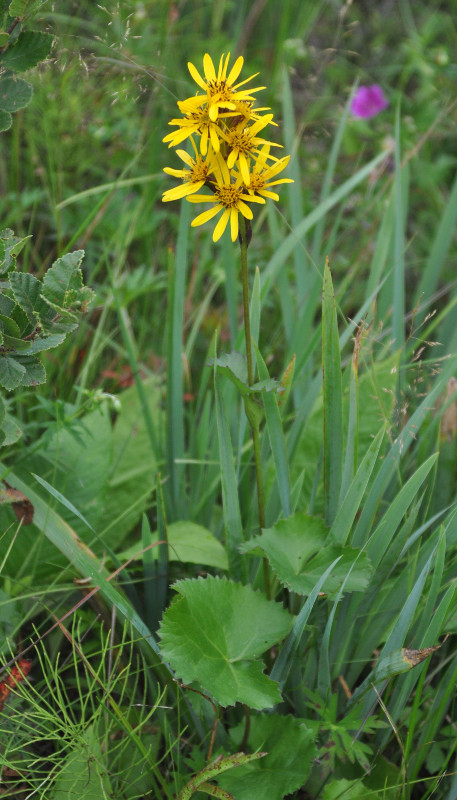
x=243 y=142
x=193 y=178
x=230 y=198
x=220 y=90
x=261 y=174
x=196 y=121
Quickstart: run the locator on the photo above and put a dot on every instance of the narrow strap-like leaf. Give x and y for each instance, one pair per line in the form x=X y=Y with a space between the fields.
x=333 y=400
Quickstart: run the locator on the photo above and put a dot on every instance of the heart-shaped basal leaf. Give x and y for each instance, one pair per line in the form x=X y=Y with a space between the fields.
x=214 y=633
x=291 y=750
x=299 y=550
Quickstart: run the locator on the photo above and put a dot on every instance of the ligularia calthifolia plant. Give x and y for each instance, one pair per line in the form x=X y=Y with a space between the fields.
x=231 y=169
x=231 y=157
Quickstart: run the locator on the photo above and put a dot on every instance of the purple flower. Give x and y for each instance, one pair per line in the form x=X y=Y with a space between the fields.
x=368 y=101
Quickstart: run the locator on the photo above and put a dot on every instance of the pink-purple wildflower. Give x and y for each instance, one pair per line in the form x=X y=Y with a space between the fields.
x=368 y=101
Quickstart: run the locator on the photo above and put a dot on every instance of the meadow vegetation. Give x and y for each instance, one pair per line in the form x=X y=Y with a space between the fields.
x=219 y=575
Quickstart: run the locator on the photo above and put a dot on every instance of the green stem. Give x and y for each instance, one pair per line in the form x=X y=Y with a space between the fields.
x=254 y=428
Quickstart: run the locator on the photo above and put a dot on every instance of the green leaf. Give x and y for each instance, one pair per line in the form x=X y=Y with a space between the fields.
x=187 y=542
x=14 y=92
x=18 y=245
x=6 y=121
x=83 y=773
x=214 y=633
x=10 y=430
x=299 y=552
x=28 y=50
x=333 y=400
x=276 y=437
x=214 y=770
x=234 y=366
x=35 y=373
x=18 y=8
x=27 y=292
x=63 y=285
x=348 y=790
x=291 y=751
x=11 y=372
x=347 y=512
x=230 y=498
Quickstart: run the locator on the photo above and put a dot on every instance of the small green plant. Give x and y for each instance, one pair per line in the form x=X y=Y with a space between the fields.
x=35 y=316
x=20 y=50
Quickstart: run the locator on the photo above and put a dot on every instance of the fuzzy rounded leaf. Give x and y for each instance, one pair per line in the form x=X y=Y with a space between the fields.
x=14 y=92
x=6 y=120
x=11 y=373
x=18 y=8
x=291 y=750
x=28 y=50
x=299 y=550
x=214 y=633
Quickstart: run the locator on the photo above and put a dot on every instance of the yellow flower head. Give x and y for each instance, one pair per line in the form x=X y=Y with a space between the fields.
x=229 y=198
x=193 y=178
x=243 y=142
x=261 y=174
x=220 y=89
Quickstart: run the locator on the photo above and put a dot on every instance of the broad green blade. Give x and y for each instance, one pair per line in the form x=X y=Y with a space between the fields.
x=276 y=436
x=230 y=501
x=175 y=406
x=349 y=508
x=333 y=400
x=285 y=661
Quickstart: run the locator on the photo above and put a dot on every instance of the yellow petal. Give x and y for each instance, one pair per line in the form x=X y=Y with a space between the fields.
x=244 y=169
x=221 y=225
x=208 y=66
x=223 y=74
x=234 y=224
x=265 y=193
x=202 y=218
x=281 y=180
x=246 y=80
x=196 y=75
x=235 y=71
x=252 y=198
x=204 y=141
x=182 y=191
x=177 y=173
x=186 y=158
x=203 y=198
x=245 y=210
x=214 y=139
x=225 y=174
x=278 y=167
x=213 y=112
x=232 y=156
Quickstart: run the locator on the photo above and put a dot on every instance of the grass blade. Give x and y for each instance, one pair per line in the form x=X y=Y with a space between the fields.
x=333 y=400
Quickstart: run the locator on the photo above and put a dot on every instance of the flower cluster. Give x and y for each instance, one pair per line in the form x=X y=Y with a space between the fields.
x=230 y=156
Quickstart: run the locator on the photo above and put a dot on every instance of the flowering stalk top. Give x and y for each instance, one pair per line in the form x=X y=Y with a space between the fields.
x=231 y=157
